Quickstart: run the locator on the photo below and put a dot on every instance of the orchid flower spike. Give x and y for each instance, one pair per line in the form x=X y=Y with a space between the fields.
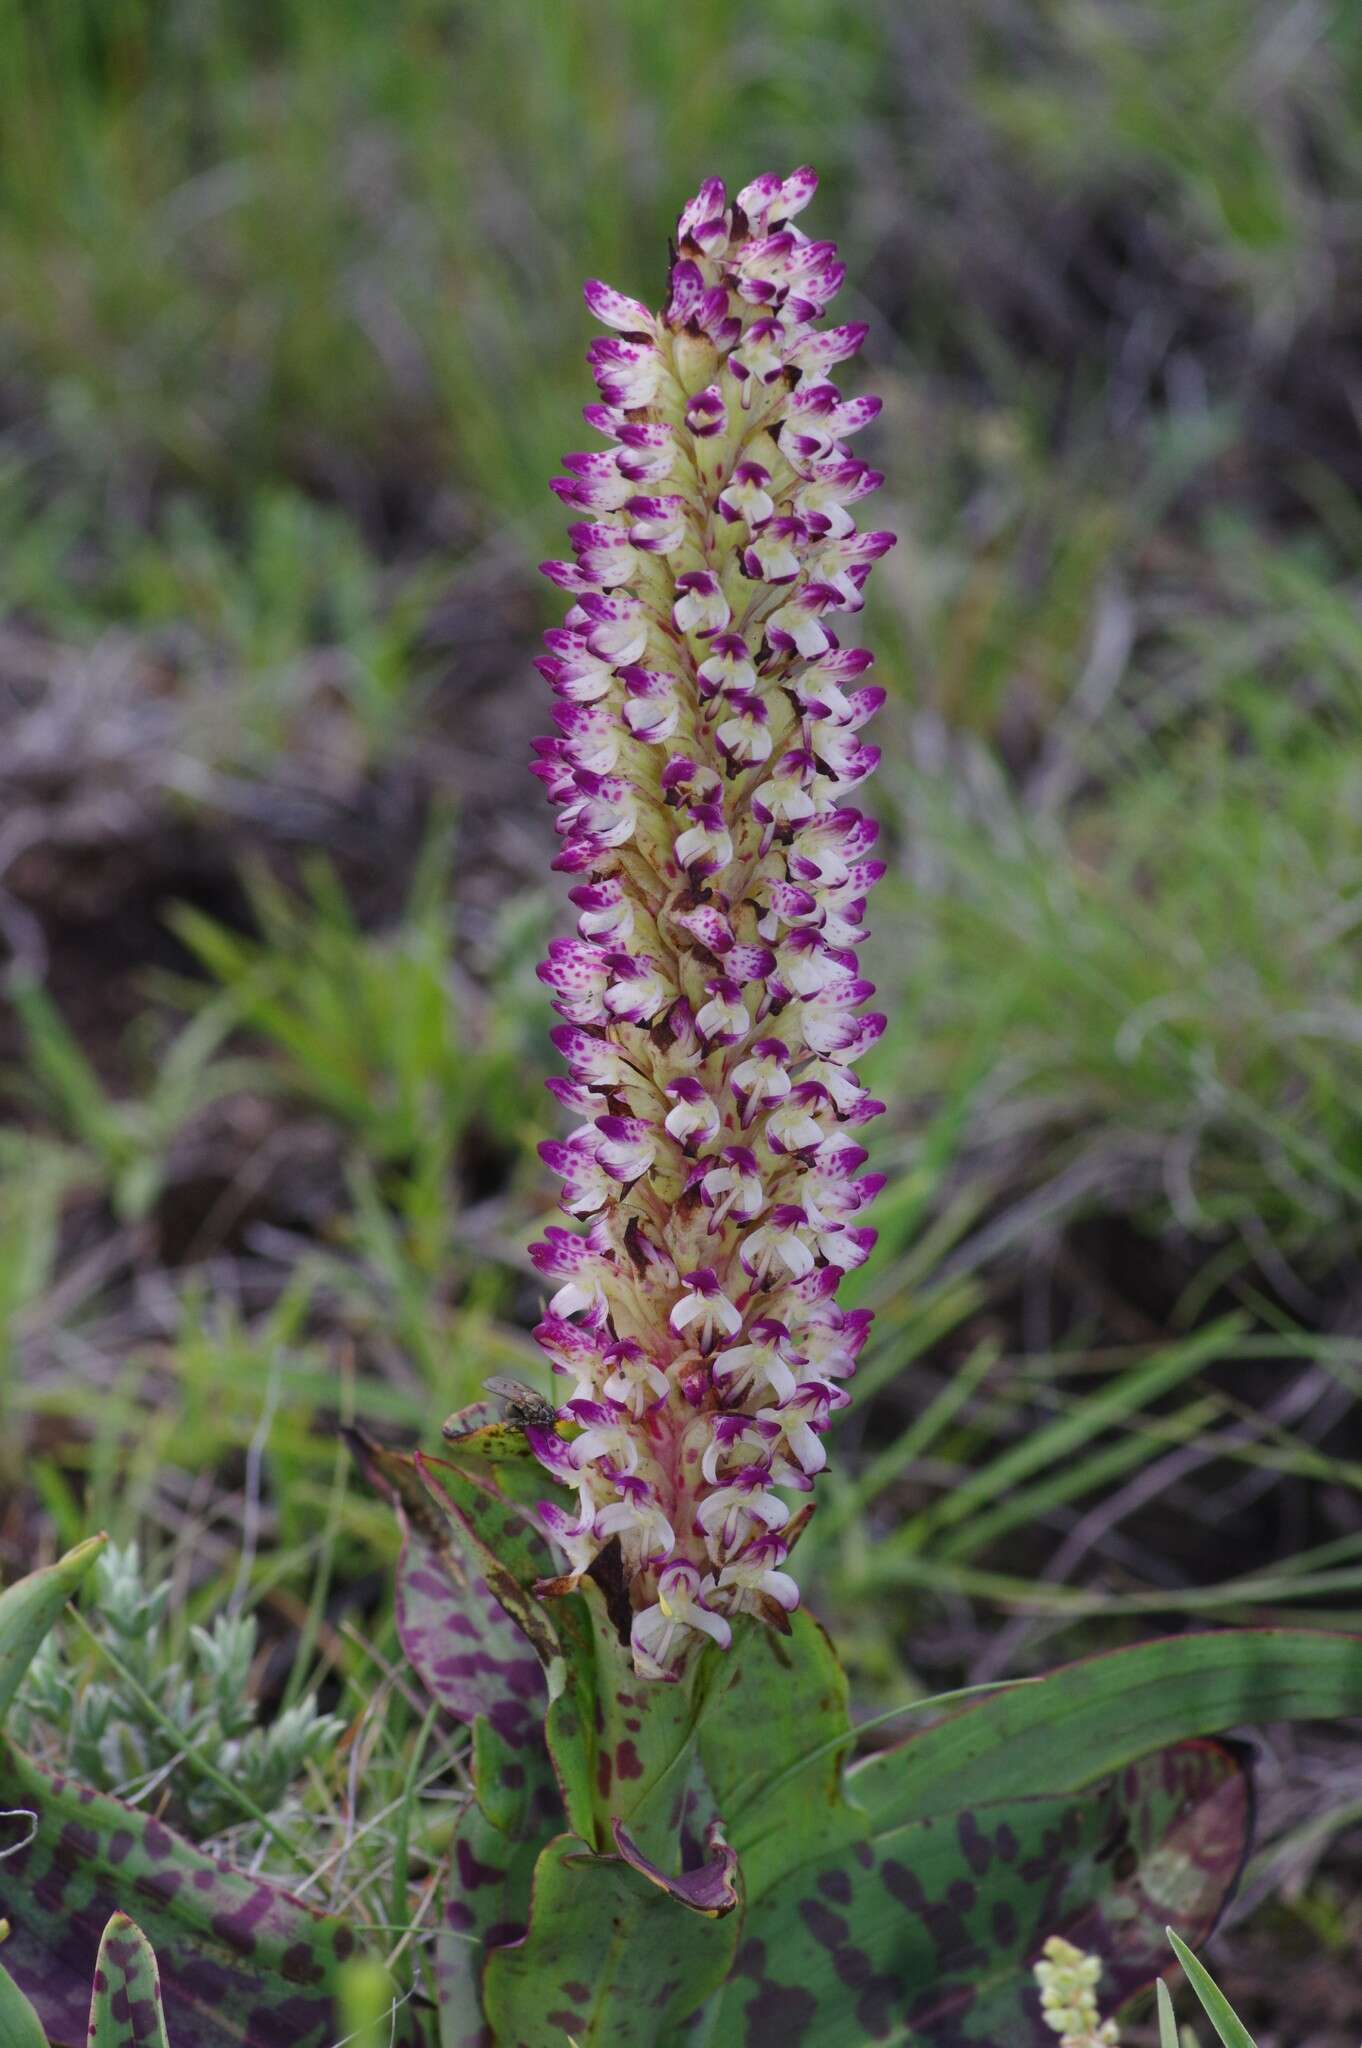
x=1067 y=1980
x=709 y=738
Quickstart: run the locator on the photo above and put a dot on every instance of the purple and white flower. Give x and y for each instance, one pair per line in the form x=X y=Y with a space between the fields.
x=709 y=723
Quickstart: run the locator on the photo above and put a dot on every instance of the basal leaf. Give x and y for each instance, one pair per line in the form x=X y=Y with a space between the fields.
x=30 y=1606
x=20 y=2026
x=794 y=1691
x=491 y=1529
x=610 y=1961
x=467 y=1650
x=569 y=1725
x=125 y=2000
x=500 y=1504
x=243 y=1964
x=638 y=1736
x=667 y=1759
x=499 y=1837
x=1090 y=1718
x=923 y=1935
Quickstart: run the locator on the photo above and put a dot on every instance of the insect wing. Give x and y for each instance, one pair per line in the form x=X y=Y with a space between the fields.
x=523 y=1404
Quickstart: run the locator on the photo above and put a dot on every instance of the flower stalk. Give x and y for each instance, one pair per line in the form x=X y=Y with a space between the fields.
x=709 y=740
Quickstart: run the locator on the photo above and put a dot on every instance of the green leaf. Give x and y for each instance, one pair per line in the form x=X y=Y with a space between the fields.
x=611 y=1960
x=1090 y=1718
x=469 y=1653
x=20 y=2026
x=30 y=1606
x=924 y=1932
x=498 y=1840
x=793 y=1689
x=1230 y=2028
x=668 y=1759
x=500 y=1495
x=499 y=1537
x=1168 y=2023
x=125 y=2006
x=638 y=1734
x=243 y=1965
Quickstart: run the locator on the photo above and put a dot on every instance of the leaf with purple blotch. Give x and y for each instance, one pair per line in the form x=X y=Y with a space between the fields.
x=667 y=1759
x=923 y=1934
x=1083 y=1725
x=610 y=1961
x=1089 y=1718
x=243 y=1964
x=468 y=1652
x=794 y=1690
x=125 y=2000
x=495 y=1536
x=627 y=1754
x=500 y=1504
x=497 y=1841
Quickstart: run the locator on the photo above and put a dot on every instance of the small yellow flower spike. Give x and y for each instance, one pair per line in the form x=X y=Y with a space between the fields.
x=1068 y=1982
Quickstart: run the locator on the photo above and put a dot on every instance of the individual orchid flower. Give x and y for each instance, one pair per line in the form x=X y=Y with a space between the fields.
x=709 y=734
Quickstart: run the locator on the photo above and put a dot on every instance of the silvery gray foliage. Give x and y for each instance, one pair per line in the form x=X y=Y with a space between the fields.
x=78 y=1710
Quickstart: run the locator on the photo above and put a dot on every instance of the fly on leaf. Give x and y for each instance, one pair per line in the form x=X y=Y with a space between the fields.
x=521 y=1408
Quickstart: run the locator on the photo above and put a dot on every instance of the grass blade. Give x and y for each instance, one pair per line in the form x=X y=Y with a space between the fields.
x=1217 y=2008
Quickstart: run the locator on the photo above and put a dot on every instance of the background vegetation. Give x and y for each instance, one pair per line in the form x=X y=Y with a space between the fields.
x=290 y=340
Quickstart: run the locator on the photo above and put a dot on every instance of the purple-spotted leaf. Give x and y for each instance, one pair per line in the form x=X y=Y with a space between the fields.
x=711 y=1888
x=469 y=1653
x=668 y=1759
x=29 y=1607
x=1092 y=1717
x=636 y=1735
x=125 y=2001
x=483 y=1434
x=243 y=1964
x=793 y=1689
x=490 y=1528
x=500 y=1503
x=923 y=1934
x=570 y=1724
x=610 y=1960
x=499 y=1836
